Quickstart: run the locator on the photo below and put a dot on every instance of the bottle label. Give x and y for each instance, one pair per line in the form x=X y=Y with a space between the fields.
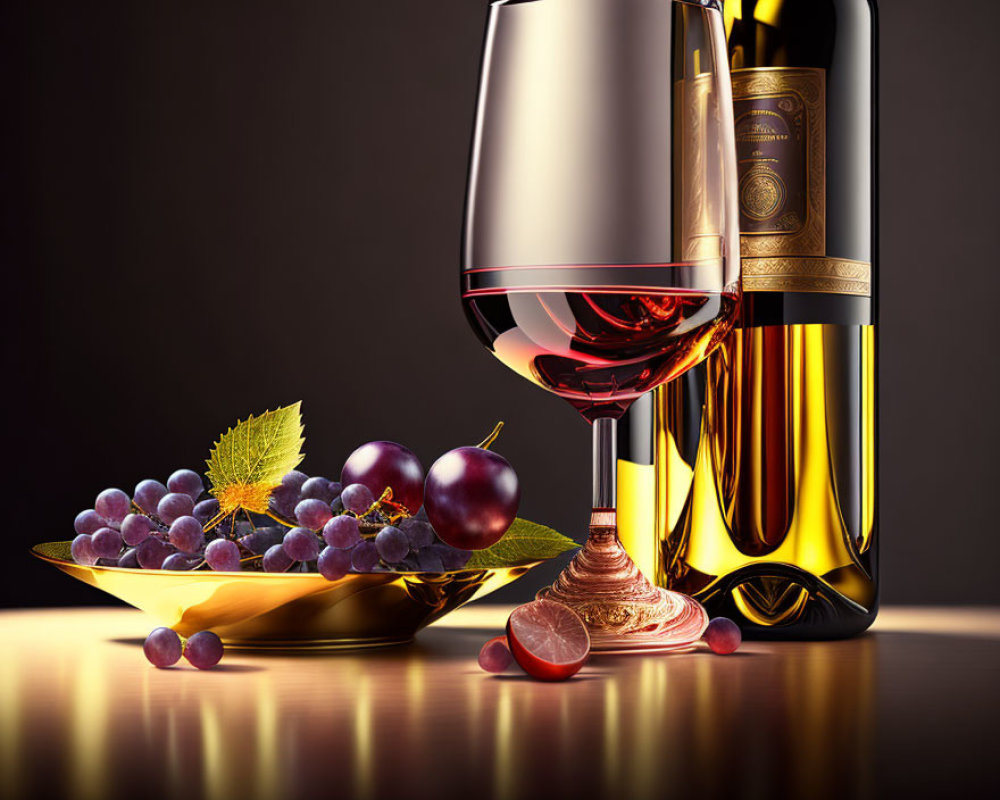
x=780 y=115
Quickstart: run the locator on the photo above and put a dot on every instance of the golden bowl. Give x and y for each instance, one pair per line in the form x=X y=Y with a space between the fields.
x=261 y=610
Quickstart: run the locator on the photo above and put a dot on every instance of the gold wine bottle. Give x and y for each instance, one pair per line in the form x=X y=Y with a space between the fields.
x=750 y=482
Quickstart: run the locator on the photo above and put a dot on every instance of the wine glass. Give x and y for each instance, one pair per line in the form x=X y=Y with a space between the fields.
x=601 y=251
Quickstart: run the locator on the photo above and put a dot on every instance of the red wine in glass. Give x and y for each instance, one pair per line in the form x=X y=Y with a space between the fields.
x=598 y=346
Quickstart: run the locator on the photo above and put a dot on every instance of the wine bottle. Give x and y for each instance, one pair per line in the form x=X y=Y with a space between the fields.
x=750 y=483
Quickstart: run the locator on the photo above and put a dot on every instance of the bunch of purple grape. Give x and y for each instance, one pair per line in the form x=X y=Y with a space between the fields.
x=340 y=530
x=159 y=527
x=372 y=520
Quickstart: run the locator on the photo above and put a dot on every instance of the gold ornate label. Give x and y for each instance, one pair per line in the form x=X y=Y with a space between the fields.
x=781 y=152
x=780 y=115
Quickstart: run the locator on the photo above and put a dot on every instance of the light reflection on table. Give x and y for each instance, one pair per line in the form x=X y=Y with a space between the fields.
x=83 y=716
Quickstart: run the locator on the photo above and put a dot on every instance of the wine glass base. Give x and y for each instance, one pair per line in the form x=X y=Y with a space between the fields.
x=624 y=612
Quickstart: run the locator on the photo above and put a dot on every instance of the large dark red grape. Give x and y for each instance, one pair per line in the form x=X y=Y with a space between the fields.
x=379 y=465
x=471 y=496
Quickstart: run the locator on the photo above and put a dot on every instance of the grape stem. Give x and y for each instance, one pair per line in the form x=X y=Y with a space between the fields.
x=276 y=518
x=485 y=443
x=385 y=499
x=215 y=520
x=161 y=527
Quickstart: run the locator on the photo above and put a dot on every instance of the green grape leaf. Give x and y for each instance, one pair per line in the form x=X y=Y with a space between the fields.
x=249 y=460
x=523 y=543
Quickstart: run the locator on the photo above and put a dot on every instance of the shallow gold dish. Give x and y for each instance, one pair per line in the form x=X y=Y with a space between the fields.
x=260 y=610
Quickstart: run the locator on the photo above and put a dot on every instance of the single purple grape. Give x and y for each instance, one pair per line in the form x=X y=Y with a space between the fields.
x=342 y=532
x=203 y=650
x=129 y=559
x=317 y=489
x=294 y=479
x=180 y=561
x=88 y=522
x=357 y=497
x=451 y=557
x=148 y=494
x=392 y=544
x=301 y=544
x=472 y=497
x=382 y=465
x=82 y=550
x=186 y=535
x=113 y=504
x=173 y=506
x=106 y=543
x=337 y=506
x=312 y=514
x=261 y=539
x=136 y=528
x=419 y=532
x=283 y=501
x=206 y=510
x=272 y=530
x=162 y=647
x=495 y=655
x=429 y=560
x=722 y=636
x=276 y=559
x=186 y=481
x=223 y=555
x=336 y=487
x=152 y=552
x=334 y=563
x=364 y=557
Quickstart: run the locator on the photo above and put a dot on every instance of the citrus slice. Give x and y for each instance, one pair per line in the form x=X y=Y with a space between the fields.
x=548 y=640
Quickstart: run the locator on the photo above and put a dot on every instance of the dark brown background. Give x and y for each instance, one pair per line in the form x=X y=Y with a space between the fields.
x=211 y=208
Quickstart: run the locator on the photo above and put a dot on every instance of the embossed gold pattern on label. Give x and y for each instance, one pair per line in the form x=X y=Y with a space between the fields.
x=780 y=115
x=829 y=275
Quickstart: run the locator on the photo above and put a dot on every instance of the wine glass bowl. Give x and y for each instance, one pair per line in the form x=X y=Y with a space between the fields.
x=601 y=251
x=601 y=245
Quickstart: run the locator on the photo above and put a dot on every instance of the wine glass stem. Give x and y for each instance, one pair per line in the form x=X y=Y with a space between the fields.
x=605 y=463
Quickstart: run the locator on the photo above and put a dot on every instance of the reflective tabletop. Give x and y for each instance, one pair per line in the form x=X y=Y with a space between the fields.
x=909 y=709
